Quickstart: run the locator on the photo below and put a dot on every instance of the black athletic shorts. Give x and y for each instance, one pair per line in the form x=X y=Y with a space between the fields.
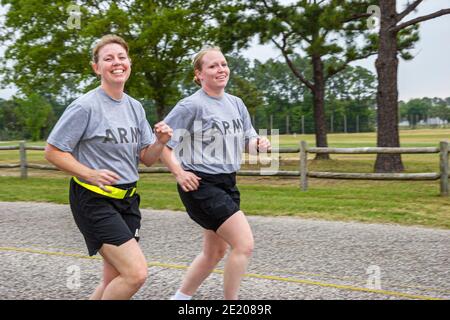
x=102 y=219
x=216 y=199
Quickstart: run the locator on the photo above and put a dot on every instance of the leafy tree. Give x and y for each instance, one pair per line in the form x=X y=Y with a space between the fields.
x=35 y=114
x=10 y=128
x=325 y=31
x=350 y=93
x=242 y=85
x=441 y=111
x=50 y=58
x=416 y=109
x=283 y=95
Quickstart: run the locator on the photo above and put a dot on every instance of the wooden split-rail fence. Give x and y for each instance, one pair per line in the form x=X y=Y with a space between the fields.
x=303 y=172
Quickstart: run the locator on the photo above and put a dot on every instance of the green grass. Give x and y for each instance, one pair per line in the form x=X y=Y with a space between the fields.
x=408 y=138
x=407 y=203
x=402 y=202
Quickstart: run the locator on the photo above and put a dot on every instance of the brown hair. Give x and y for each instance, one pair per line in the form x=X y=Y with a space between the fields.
x=110 y=38
x=198 y=60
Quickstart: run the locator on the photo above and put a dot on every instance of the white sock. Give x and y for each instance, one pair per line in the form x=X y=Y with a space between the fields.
x=180 y=296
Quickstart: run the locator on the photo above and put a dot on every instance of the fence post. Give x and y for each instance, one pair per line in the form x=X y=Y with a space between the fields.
x=303 y=165
x=23 y=160
x=444 y=167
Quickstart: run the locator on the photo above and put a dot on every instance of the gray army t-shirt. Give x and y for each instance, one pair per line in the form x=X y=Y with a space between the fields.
x=104 y=133
x=210 y=133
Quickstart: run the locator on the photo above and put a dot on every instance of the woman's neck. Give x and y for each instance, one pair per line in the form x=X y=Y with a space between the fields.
x=215 y=93
x=115 y=92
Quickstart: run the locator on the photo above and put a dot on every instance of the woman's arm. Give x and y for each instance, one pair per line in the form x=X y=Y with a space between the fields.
x=187 y=180
x=67 y=163
x=150 y=154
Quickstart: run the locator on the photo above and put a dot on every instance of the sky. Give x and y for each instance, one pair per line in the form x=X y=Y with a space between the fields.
x=427 y=75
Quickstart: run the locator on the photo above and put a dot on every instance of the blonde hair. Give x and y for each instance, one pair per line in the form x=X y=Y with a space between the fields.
x=108 y=39
x=197 y=62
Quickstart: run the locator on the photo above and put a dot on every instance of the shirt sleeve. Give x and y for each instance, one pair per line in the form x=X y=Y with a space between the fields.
x=180 y=119
x=70 y=128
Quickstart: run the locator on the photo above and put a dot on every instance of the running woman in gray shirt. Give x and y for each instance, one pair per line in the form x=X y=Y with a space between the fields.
x=211 y=130
x=100 y=140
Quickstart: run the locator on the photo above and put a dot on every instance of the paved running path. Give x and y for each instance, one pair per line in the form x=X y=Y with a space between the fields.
x=41 y=251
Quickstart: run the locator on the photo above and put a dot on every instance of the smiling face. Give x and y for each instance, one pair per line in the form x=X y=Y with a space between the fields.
x=214 y=72
x=113 y=65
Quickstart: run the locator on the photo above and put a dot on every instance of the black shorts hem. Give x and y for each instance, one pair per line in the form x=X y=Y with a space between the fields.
x=94 y=249
x=216 y=199
x=223 y=221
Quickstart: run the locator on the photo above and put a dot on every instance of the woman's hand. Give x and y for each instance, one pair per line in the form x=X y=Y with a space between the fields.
x=163 y=132
x=67 y=163
x=187 y=180
x=102 y=177
x=263 y=144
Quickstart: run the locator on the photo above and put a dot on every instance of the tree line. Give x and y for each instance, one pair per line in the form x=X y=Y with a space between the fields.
x=423 y=109
x=271 y=94
x=268 y=89
x=317 y=41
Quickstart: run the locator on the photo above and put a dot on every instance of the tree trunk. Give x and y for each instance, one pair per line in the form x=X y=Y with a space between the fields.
x=160 y=109
x=319 y=107
x=159 y=96
x=387 y=93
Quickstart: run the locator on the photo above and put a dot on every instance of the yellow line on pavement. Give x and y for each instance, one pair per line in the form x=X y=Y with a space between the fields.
x=250 y=275
x=359 y=279
x=345 y=287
